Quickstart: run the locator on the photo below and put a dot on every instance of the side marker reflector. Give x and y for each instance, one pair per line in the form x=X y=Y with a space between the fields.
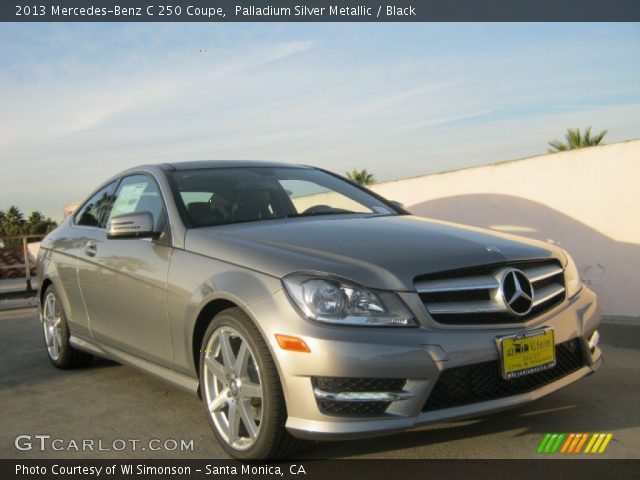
x=293 y=344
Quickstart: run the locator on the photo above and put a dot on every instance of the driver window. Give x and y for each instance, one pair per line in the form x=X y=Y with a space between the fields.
x=305 y=195
x=139 y=193
x=95 y=211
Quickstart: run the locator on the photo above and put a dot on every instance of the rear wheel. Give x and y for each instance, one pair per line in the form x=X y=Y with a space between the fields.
x=56 y=334
x=241 y=390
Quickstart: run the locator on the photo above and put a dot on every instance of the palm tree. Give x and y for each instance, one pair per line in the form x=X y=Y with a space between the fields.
x=12 y=223
x=37 y=224
x=13 y=219
x=361 y=177
x=35 y=217
x=575 y=139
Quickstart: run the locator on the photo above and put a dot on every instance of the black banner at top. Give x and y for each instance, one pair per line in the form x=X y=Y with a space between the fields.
x=319 y=11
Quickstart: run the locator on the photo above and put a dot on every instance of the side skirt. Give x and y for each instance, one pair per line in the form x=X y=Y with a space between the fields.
x=183 y=382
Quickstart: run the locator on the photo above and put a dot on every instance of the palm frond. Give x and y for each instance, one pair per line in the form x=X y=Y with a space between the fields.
x=361 y=177
x=574 y=138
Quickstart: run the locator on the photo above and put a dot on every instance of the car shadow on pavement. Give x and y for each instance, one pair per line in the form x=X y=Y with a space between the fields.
x=23 y=356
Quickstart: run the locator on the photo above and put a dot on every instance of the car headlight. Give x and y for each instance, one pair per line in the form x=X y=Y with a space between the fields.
x=571 y=275
x=336 y=301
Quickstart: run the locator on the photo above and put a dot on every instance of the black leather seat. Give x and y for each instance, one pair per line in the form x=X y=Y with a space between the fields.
x=202 y=215
x=253 y=205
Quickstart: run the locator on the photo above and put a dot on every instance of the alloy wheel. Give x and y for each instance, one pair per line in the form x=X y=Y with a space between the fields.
x=233 y=388
x=52 y=324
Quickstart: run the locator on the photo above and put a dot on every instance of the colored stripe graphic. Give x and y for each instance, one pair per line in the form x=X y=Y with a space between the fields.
x=590 y=444
x=606 y=442
x=581 y=443
x=598 y=443
x=574 y=442
x=547 y=448
x=556 y=445
x=568 y=442
x=543 y=443
x=576 y=439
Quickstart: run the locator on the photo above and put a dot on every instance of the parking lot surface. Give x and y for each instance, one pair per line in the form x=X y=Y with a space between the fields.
x=107 y=402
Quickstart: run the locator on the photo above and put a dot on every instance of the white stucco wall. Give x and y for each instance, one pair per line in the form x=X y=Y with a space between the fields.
x=587 y=201
x=34 y=248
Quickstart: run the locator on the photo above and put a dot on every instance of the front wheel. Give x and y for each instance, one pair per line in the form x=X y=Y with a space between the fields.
x=56 y=334
x=241 y=390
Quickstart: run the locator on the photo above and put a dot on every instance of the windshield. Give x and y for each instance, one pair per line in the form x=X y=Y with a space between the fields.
x=221 y=196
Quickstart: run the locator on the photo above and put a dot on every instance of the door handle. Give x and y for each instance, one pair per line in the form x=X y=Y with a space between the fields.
x=90 y=249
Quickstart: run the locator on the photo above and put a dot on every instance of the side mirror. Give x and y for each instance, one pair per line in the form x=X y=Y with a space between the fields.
x=131 y=225
x=397 y=204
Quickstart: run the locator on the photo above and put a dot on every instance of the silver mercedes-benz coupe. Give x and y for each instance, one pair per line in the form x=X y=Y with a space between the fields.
x=299 y=305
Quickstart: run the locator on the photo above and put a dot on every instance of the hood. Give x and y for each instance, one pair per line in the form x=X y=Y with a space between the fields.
x=385 y=252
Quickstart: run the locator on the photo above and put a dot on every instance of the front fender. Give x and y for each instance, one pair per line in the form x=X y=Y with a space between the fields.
x=61 y=270
x=194 y=281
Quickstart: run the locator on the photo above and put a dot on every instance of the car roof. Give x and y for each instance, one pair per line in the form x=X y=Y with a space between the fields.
x=201 y=164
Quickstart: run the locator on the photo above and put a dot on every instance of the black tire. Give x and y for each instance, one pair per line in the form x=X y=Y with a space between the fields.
x=67 y=356
x=273 y=440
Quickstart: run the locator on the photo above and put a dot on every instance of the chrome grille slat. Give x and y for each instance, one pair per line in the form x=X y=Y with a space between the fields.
x=547 y=293
x=473 y=296
x=467 y=307
x=540 y=273
x=483 y=282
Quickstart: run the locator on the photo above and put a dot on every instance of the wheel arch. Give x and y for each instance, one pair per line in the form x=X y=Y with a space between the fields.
x=206 y=315
x=287 y=443
x=46 y=282
x=204 y=318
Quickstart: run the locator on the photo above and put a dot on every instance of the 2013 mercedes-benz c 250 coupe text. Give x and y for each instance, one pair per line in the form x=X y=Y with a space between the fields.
x=299 y=305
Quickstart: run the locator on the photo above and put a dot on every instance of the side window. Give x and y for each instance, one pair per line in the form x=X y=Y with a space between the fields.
x=95 y=211
x=139 y=193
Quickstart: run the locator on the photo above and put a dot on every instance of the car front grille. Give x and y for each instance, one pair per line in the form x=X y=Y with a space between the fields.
x=481 y=382
x=472 y=296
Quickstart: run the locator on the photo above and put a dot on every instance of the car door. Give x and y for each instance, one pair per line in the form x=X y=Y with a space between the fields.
x=68 y=249
x=123 y=281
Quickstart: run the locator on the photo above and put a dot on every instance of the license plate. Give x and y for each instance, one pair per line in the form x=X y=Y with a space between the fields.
x=527 y=353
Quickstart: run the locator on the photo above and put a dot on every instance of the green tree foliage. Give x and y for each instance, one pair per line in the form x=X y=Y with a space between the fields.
x=13 y=223
x=361 y=177
x=575 y=139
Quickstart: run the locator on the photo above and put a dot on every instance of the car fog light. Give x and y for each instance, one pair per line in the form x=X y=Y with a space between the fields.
x=362 y=396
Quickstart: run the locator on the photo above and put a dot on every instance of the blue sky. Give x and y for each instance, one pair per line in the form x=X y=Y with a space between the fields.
x=80 y=102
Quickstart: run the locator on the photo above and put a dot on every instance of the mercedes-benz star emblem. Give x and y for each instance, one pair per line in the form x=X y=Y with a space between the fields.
x=516 y=291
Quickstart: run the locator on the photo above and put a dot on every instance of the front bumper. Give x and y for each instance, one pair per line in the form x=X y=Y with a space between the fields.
x=419 y=355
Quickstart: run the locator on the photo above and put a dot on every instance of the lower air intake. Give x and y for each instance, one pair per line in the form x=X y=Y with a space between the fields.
x=481 y=382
